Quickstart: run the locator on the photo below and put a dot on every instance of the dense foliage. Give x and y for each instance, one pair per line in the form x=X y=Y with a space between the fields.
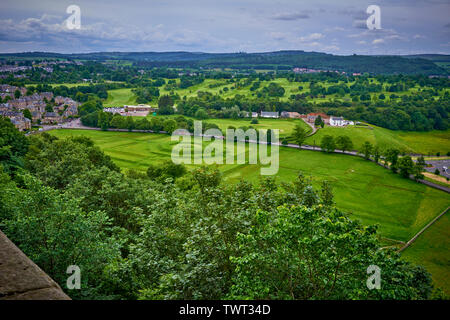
x=173 y=234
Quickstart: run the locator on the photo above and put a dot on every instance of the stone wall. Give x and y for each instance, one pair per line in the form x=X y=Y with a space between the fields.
x=22 y=279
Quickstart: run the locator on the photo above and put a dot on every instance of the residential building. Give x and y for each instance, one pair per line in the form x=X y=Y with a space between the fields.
x=311 y=117
x=286 y=114
x=51 y=117
x=267 y=114
x=336 y=121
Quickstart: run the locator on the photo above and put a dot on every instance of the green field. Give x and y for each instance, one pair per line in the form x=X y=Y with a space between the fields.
x=120 y=97
x=426 y=143
x=286 y=126
x=368 y=192
x=432 y=250
x=429 y=142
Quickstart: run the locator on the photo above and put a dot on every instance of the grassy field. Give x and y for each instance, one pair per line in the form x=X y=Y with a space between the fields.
x=432 y=250
x=286 y=126
x=368 y=192
x=429 y=142
x=120 y=97
x=409 y=142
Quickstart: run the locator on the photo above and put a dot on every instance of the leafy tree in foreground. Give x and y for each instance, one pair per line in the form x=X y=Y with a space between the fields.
x=344 y=143
x=299 y=135
x=55 y=233
x=391 y=158
x=376 y=154
x=313 y=253
x=327 y=144
x=13 y=146
x=367 y=149
x=406 y=166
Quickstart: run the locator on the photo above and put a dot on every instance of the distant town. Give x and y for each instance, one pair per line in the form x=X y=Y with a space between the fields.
x=37 y=108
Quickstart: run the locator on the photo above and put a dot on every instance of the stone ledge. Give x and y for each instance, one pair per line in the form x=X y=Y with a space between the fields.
x=22 y=279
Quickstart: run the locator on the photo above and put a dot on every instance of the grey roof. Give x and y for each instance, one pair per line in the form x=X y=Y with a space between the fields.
x=51 y=114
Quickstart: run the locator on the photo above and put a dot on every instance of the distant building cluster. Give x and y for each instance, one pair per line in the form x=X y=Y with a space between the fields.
x=308 y=70
x=139 y=110
x=310 y=117
x=37 y=104
x=47 y=66
x=329 y=120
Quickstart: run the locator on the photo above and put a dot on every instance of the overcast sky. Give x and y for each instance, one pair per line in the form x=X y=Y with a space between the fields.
x=332 y=26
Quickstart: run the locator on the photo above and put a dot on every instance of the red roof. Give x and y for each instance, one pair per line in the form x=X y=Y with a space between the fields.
x=322 y=115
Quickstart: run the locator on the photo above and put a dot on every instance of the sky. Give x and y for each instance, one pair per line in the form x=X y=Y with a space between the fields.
x=331 y=26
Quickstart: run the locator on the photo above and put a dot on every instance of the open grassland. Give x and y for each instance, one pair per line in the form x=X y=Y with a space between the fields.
x=426 y=143
x=370 y=193
x=432 y=250
x=119 y=98
x=285 y=126
x=429 y=142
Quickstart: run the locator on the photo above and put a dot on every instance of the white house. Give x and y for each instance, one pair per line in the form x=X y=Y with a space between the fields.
x=266 y=114
x=340 y=122
x=336 y=121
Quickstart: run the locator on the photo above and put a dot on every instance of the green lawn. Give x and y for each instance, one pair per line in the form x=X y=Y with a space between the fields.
x=372 y=193
x=368 y=192
x=406 y=141
x=120 y=97
x=432 y=250
x=286 y=126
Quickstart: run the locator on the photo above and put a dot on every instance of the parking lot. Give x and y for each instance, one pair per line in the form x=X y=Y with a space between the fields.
x=442 y=165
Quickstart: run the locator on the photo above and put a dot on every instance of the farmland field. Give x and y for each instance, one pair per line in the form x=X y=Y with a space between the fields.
x=368 y=192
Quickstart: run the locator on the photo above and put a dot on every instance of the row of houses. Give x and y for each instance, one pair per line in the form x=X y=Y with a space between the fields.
x=17 y=118
x=139 y=110
x=310 y=117
x=36 y=103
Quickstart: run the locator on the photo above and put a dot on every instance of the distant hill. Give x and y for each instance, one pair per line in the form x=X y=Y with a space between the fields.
x=441 y=60
x=279 y=60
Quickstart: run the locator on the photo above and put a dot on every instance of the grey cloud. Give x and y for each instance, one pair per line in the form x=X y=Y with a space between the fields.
x=291 y=16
